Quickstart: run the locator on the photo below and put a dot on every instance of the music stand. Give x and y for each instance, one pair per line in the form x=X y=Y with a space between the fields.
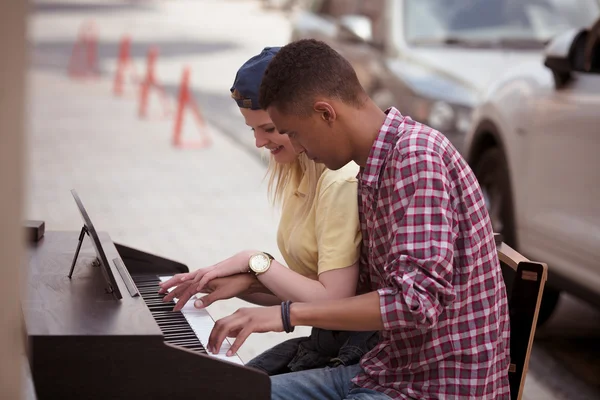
x=88 y=229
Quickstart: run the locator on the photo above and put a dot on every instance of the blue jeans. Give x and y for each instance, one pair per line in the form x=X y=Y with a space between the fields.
x=321 y=384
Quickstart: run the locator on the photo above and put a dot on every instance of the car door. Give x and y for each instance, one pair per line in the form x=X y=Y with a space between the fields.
x=562 y=175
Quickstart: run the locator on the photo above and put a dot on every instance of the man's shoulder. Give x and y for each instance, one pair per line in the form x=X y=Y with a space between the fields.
x=415 y=137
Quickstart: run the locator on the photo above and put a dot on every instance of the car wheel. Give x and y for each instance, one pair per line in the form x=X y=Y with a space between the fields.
x=492 y=173
x=548 y=305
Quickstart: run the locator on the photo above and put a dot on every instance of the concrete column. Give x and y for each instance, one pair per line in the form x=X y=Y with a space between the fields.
x=13 y=14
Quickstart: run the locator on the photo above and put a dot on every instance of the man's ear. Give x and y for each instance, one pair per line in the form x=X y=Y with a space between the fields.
x=327 y=112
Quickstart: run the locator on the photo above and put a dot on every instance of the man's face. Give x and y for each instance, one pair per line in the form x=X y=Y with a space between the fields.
x=311 y=135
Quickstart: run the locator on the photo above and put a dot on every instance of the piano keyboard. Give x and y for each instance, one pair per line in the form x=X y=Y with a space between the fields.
x=188 y=328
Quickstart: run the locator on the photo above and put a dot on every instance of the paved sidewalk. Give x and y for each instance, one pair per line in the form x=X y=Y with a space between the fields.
x=212 y=37
x=194 y=206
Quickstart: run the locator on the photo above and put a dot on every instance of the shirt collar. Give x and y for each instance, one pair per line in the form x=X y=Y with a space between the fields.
x=388 y=133
x=302 y=186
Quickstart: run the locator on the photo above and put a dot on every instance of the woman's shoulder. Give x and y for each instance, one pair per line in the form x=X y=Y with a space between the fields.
x=346 y=174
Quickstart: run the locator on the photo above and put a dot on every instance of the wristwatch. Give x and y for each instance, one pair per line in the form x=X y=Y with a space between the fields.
x=260 y=262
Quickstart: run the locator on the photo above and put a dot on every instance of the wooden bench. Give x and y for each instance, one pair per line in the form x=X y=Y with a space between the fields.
x=525 y=282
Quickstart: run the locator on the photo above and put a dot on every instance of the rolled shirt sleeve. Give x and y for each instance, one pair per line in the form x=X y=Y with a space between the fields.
x=419 y=267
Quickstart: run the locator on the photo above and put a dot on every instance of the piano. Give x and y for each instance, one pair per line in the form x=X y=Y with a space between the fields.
x=86 y=343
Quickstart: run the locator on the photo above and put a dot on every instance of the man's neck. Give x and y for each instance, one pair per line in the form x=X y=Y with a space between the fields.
x=369 y=120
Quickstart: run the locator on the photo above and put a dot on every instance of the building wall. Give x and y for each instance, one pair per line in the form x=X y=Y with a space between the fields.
x=12 y=102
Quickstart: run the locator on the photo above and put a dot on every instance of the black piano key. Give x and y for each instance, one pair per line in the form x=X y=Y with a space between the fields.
x=171 y=323
x=189 y=346
x=166 y=319
x=165 y=307
x=181 y=335
x=175 y=328
x=186 y=342
x=155 y=301
x=179 y=332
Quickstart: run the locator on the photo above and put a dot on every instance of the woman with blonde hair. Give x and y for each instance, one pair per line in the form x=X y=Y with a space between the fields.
x=318 y=236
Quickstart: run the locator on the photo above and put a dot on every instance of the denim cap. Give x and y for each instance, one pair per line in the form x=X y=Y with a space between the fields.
x=248 y=78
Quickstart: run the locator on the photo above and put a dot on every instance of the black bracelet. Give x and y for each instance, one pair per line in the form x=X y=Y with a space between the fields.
x=288 y=316
x=285 y=316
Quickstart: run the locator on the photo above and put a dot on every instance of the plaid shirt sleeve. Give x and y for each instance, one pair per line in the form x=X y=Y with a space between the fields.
x=419 y=266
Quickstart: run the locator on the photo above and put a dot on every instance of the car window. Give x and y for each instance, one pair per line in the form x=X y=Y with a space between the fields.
x=535 y=21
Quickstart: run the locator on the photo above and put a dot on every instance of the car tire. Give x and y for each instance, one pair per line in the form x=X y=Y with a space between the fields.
x=491 y=171
x=549 y=302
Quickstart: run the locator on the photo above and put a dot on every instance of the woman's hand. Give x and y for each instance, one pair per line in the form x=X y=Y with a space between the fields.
x=188 y=284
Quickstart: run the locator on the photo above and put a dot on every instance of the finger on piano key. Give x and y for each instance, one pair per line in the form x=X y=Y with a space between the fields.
x=202 y=324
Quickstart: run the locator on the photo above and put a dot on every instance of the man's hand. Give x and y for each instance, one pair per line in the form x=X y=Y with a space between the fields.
x=186 y=286
x=241 y=324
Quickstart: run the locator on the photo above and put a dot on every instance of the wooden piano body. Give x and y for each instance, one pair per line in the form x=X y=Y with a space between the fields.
x=85 y=344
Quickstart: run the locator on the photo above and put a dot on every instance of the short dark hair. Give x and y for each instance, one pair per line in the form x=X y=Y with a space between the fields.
x=304 y=69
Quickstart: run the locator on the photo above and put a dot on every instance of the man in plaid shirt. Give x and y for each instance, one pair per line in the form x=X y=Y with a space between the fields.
x=430 y=274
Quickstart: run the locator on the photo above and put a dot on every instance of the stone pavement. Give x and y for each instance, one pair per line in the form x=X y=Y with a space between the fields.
x=212 y=37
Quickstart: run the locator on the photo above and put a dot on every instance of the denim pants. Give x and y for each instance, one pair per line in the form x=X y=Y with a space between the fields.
x=322 y=384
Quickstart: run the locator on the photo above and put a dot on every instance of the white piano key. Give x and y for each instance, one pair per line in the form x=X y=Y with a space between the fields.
x=202 y=324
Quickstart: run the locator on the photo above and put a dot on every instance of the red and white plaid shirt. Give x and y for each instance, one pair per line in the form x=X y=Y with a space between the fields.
x=429 y=251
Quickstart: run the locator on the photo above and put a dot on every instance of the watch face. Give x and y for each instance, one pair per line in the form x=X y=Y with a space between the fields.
x=259 y=262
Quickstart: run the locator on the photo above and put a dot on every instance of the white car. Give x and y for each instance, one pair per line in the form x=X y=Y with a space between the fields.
x=535 y=148
x=433 y=59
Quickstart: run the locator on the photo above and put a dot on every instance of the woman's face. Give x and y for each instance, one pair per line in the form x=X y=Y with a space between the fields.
x=267 y=136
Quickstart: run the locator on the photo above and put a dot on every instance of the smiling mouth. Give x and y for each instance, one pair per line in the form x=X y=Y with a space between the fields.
x=276 y=149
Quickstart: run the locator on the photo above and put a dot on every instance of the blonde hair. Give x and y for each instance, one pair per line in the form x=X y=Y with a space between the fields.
x=287 y=177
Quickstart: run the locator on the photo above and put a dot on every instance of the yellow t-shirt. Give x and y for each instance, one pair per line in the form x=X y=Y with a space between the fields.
x=329 y=236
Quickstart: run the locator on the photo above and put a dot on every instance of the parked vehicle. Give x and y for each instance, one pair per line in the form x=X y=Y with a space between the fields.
x=534 y=146
x=434 y=59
